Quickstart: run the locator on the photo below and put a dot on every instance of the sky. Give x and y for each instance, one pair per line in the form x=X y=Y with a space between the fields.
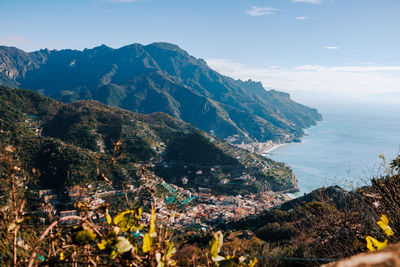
x=320 y=51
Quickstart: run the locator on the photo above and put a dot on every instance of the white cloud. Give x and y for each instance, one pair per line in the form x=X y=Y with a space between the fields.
x=332 y=47
x=349 y=68
x=261 y=11
x=302 y=18
x=315 y=2
x=313 y=83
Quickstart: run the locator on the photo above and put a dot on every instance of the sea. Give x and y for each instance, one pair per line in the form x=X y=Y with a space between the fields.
x=345 y=148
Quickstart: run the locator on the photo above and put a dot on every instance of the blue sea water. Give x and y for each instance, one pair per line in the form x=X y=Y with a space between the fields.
x=343 y=149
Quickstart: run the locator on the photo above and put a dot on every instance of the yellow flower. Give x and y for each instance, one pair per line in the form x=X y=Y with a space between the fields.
x=384 y=224
x=373 y=244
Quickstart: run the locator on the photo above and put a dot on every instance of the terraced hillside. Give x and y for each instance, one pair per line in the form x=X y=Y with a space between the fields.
x=84 y=141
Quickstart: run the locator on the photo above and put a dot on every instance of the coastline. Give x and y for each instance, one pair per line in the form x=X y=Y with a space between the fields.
x=291 y=196
x=265 y=149
x=261 y=148
x=275 y=146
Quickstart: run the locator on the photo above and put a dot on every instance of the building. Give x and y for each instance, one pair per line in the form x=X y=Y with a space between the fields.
x=68 y=213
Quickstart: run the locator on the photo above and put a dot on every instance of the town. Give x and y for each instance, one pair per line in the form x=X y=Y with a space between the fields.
x=182 y=208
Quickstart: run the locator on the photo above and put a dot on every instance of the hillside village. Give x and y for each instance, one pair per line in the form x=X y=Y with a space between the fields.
x=200 y=209
x=189 y=209
x=195 y=209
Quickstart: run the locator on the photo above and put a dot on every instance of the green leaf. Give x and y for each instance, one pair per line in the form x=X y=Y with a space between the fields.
x=127 y=219
x=146 y=243
x=384 y=224
x=228 y=262
x=253 y=262
x=102 y=245
x=373 y=244
x=62 y=256
x=170 y=251
x=84 y=237
x=22 y=220
x=138 y=213
x=108 y=217
x=216 y=245
x=214 y=248
x=113 y=254
x=138 y=227
x=152 y=230
x=220 y=237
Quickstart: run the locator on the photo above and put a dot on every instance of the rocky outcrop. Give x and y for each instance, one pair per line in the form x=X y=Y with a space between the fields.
x=382 y=258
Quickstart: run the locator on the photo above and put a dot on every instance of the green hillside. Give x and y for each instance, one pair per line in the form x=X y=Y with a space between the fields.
x=72 y=143
x=160 y=77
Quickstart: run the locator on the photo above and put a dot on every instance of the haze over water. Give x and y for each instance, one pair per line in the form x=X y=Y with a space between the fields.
x=343 y=149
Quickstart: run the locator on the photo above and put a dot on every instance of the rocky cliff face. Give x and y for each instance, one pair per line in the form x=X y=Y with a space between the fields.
x=382 y=258
x=160 y=77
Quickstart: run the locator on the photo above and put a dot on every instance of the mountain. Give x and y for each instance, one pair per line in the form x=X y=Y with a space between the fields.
x=160 y=77
x=69 y=144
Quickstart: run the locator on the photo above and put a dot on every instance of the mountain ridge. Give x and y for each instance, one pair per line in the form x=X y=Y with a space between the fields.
x=160 y=77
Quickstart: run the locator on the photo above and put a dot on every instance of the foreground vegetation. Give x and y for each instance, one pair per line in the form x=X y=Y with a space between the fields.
x=328 y=224
x=125 y=240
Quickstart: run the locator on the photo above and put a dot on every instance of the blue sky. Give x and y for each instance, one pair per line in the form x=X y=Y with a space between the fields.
x=314 y=49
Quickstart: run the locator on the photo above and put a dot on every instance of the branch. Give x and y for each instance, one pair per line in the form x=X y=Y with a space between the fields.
x=46 y=232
